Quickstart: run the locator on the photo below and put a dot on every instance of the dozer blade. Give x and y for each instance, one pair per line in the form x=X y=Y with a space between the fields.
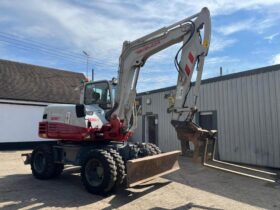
x=144 y=169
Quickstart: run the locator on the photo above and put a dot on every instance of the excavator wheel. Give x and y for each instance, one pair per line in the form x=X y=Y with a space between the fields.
x=42 y=163
x=151 y=150
x=99 y=172
x=155 y=148
x=120 y=166
x=145 y=149
x=133 y=152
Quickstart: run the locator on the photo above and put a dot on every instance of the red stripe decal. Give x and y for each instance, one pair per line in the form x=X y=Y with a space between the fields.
x=191 y=58
x=187 y=70
x=55 y=130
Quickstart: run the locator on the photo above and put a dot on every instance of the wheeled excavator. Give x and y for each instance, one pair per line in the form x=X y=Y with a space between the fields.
x=94 y=133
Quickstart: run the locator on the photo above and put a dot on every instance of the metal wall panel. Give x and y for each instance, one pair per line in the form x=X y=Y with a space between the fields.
x=166 y=134
x=248 y=117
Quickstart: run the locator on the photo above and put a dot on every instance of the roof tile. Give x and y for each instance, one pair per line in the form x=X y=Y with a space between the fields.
x=19 y=81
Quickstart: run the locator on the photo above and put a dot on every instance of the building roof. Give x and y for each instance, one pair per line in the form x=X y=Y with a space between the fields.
x=221 y=78
x=19 y=81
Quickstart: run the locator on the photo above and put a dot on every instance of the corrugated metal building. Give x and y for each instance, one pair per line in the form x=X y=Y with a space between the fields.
x=244 y=107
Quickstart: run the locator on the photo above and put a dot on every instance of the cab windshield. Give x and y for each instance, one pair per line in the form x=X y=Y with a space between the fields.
x=97 y=93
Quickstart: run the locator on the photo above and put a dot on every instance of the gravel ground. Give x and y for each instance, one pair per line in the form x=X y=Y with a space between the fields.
x=192 y=187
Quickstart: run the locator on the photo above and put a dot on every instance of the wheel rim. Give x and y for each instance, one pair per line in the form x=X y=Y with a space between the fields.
x=94 y=172
x=39 y=162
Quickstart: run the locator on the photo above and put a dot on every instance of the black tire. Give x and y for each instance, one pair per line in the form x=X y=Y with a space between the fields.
x=42 y=163
x=145 y=149
x=151 y=149
x=133 y=152
x=119 y=165
x=155 y=148
x=99 y=172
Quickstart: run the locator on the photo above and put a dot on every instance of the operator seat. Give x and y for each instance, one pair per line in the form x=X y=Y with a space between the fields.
x=95 y=96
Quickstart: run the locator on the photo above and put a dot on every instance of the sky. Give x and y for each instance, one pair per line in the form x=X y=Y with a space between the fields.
x=245 y=35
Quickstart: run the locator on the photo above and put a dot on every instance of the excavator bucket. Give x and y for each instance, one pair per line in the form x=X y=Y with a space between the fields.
x=145 y=169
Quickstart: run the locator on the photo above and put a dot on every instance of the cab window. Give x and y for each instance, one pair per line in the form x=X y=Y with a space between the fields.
x=97 y=93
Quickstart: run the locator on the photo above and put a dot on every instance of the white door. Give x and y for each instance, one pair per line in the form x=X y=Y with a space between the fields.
x=19 y=123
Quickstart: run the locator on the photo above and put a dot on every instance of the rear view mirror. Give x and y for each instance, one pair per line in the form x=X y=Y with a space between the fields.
x=80 y=110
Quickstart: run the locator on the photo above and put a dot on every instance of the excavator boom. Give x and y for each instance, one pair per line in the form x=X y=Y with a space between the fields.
x=194 y=33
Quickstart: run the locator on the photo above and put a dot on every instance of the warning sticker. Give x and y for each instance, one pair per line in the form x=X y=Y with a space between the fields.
x=205 y=43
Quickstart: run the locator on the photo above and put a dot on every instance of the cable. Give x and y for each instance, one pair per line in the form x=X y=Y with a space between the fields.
x=97 y=67
x=55 y=55
x=18 y=44
x=33 y=45
x=40 y=44
x=28 y=50
x=176 y=62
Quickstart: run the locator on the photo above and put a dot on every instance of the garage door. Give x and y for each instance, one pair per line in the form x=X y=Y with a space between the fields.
x=19 y=123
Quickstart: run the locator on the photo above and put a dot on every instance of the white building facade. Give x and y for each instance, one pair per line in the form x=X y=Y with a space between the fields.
x=25 y=90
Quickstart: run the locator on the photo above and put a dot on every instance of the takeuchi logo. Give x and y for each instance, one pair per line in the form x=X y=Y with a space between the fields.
x=147 y=47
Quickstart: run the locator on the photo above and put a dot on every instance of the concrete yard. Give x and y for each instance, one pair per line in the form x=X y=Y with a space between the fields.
x=193 y=187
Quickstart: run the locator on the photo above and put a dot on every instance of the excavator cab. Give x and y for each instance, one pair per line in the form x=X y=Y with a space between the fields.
x=101 y=93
